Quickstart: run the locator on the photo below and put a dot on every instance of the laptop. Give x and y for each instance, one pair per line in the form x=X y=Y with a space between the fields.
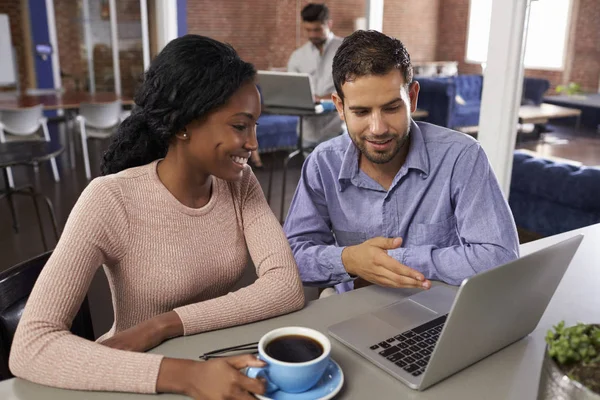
x=429 y=336
x=287 y=90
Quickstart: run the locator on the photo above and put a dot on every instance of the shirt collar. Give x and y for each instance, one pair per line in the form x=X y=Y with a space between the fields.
x=417 y=157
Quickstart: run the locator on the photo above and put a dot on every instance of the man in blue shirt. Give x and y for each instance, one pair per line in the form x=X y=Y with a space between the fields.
x=394 y=202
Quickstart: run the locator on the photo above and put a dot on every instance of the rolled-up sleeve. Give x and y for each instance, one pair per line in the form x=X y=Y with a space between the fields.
x=308 y=229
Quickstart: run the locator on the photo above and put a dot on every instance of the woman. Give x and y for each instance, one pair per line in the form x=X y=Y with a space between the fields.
x=172 y=221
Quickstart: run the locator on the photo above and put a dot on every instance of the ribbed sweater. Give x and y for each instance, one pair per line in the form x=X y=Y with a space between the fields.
x=158 y=256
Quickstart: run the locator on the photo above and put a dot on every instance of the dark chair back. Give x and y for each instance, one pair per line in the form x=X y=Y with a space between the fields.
x=16 y=284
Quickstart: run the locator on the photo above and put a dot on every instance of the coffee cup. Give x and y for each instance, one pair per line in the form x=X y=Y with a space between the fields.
x=296 y=358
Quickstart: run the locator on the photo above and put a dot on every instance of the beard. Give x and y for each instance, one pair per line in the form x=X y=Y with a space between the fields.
x=381 y=157
x=318 y=42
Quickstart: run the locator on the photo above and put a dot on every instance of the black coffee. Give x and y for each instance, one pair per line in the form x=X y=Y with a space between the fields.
x=294 y=349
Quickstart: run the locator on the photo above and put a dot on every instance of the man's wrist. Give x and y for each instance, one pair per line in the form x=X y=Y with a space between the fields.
x=346 y=261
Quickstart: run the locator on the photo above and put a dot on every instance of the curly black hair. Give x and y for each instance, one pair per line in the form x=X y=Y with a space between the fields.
x=190 y=77
x=369 y=53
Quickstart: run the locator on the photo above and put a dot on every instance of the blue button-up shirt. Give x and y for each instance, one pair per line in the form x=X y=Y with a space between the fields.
x=444 y=202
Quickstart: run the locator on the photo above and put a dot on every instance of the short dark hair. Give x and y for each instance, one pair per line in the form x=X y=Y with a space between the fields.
x=369 y=53
x=190 y=78
x=314 y=12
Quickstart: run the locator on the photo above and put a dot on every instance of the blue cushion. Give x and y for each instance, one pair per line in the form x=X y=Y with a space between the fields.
x=549 y=198
x=467 y=115
x=276 y=132
x=435 y=96
x=469 y=87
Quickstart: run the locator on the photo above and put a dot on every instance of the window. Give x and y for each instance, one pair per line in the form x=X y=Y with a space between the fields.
x=546 y=36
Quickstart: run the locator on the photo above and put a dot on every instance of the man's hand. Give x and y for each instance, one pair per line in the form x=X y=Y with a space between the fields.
x=370 y=261
x=147 y=334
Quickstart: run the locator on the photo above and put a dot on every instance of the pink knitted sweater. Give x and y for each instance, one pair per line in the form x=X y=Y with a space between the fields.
x=158 y=255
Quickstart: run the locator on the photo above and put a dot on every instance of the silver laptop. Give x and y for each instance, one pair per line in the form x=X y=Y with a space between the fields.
x=287 y=90
x=429 y=336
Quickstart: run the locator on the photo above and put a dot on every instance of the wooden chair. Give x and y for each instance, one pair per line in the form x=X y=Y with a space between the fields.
x=16 y=284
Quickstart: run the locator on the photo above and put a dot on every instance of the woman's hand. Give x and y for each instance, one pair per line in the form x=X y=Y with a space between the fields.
x=148 y=334
x=216 y=379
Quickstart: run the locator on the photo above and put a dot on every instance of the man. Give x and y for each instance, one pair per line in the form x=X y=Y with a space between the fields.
x=394 y=202
x=315 y=58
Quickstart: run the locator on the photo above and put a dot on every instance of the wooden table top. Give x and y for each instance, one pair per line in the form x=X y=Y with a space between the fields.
x=67 y=100
x=547 y=111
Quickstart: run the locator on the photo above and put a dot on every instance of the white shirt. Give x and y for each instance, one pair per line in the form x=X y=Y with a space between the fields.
x=308 y=59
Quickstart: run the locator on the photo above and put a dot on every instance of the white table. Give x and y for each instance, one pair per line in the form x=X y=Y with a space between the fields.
x=511 y=373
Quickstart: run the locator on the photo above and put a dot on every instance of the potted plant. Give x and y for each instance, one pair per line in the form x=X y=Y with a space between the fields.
x=571 y=367
x=571 y=89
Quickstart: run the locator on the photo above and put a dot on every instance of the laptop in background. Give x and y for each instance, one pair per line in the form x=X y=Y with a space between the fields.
x=429 y=336
x=287 y=90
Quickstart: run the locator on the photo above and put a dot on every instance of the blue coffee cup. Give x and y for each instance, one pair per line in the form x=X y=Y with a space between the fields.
x=291 y=377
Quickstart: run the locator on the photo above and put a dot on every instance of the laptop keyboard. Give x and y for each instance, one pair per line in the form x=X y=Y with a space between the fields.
x=411 y=350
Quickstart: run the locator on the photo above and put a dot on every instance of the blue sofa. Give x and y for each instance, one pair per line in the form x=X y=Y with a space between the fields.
x=276 y=132
x=456 y=101
x=548 y=197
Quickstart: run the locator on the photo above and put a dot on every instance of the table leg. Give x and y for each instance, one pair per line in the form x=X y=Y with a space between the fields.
x=70 y=122
x=52 y=215
x=11 y=204
x=285 y=164
x=30 y=191
x=270 y=185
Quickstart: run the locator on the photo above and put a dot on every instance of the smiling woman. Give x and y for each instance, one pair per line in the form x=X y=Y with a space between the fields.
x=172 y=221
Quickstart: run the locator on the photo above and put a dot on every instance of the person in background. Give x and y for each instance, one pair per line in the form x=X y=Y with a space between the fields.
x=394 y=202
x=172 y=221
x=315 y=58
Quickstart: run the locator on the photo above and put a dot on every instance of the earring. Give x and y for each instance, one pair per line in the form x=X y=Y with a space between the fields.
x=184 y=135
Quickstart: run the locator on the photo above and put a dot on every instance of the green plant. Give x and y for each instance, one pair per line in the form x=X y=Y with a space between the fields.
x=577 y=351
x=576 y=343
x=570 y=89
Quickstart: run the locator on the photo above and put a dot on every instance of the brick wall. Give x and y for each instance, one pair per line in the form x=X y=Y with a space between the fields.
x=583 y=67
x=265 y=32
x=415 y=23
x=13 y=9
x=452 y=34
